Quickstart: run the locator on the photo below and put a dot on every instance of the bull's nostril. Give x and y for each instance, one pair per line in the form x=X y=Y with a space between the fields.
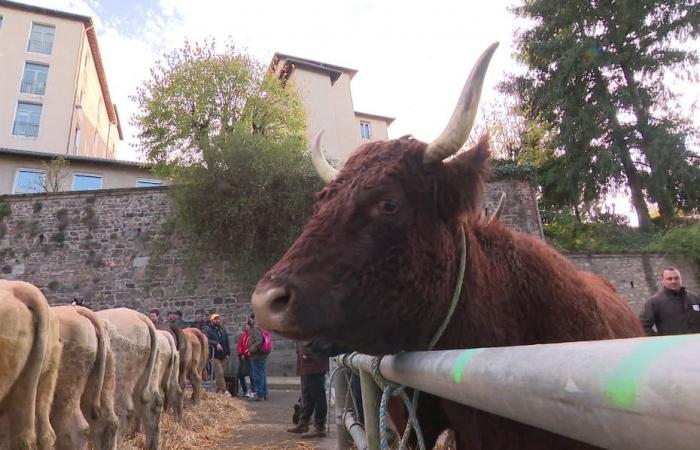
x=280 y=303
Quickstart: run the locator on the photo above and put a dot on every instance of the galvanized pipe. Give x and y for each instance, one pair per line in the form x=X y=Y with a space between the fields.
x=356 y=430
x=636 y=394
x=340 y=387
x=371 y=396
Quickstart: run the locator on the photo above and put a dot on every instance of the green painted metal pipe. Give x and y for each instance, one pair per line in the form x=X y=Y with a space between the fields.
x=641 y=394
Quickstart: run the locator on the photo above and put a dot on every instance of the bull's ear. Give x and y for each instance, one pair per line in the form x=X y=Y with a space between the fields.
x=466 y=174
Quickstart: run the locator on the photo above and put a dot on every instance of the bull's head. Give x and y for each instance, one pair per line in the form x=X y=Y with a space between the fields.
x=375 y=267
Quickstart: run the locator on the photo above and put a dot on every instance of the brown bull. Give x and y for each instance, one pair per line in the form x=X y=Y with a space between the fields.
x=30 y=351
x=376 y=267
x=84 y=398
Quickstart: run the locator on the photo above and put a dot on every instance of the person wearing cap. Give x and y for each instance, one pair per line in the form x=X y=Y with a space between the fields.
x=219 y=346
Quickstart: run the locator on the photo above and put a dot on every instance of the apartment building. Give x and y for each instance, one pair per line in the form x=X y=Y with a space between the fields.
x=54 y=101
x=325 y=92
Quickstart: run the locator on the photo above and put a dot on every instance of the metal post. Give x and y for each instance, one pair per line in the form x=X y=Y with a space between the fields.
x=356 y=430
x=371 y=395
x=340 y=385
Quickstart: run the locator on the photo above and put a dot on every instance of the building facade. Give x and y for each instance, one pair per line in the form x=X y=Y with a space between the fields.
x=53 y=89
x=327 y=98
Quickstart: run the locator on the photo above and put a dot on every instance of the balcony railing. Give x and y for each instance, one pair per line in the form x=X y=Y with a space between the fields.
x=25 y=129
x=33 y=87
x=40 y=46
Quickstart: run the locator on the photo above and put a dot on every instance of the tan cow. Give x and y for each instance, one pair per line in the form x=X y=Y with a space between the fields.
x=135 y=349
x=198 y=354
x=169 y=373
x=84 y=397
x=29 y=357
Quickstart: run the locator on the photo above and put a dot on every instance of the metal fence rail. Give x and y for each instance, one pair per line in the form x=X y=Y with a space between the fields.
x=641 y=393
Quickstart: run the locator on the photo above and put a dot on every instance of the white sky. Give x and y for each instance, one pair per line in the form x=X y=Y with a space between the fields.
x=412 y=56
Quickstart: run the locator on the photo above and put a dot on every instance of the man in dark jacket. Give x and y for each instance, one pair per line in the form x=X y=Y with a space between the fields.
x=673 y=310
x=312 y=366
x=218 y=344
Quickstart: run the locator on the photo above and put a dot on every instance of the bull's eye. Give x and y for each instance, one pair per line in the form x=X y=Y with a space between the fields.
x=388 y=206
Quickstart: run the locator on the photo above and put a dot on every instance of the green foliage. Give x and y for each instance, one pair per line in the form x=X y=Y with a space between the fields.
x=596 y=80
x=563 y=230
x=251 y=200
x=231 y=139
x=198 y=93
x=5 y=209
x=508 y=168
x=683 y=241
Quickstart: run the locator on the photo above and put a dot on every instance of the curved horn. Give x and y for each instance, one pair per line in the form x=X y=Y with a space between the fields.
x=462 y=119
x=499 y=208
x=324 y=169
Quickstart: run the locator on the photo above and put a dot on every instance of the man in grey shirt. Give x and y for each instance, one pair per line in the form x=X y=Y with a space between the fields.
x=673 y=310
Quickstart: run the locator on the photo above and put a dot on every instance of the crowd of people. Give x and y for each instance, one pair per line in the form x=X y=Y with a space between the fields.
x=251 y=352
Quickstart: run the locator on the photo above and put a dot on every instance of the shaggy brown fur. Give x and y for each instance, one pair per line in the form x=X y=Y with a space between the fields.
x=376 y=266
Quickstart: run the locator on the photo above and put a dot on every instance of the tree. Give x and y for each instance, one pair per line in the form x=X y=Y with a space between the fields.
x=197 y=94
x=56 y=172
x=253 y=198
x=595 y=75
x=231 y=138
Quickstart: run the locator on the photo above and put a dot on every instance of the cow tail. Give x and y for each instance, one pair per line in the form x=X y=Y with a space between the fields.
x=35 y=301
x=173 y=356
x=100 y=368
x=146 y=394
x=182 y=347
x=204 y=342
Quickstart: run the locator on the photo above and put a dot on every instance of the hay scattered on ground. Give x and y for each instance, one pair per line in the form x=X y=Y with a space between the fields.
x=206 y=426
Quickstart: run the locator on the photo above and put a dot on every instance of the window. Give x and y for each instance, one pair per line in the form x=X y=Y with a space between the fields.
x=365 y=131
x=76 y=148
x=27 y=119
x=28 y=181
x=84 y=182
x=34 y=78
x=0 y=22
x=41 y=39
x=148 y=183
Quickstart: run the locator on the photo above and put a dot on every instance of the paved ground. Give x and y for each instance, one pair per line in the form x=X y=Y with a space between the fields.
x=266 y=428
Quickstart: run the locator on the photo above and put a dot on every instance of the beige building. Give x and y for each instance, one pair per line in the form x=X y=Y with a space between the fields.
x=325 y=92
x=53 y=91
x=54 y=101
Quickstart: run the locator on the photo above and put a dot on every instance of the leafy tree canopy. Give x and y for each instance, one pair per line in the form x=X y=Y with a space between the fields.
x=596 y=78
x=231 y=138
x=198 y=93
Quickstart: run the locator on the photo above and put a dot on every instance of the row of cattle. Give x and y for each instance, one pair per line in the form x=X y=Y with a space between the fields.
x=70 y=376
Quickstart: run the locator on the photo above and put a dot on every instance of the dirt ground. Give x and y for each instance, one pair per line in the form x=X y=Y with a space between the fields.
x=266 y=425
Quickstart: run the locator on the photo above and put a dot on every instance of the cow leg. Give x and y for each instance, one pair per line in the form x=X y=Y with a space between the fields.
x=196 y=381
x=20 y=410
x=45 y=391
x=150 y=412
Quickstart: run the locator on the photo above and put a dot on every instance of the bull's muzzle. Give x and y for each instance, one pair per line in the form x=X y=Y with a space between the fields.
x=271 y=305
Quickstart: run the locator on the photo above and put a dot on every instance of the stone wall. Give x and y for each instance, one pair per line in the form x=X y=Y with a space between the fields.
x=636 y=276
x=117 y=248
